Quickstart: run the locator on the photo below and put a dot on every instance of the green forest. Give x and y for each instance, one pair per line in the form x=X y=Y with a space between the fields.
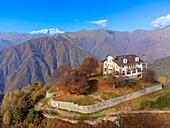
x=161 y=67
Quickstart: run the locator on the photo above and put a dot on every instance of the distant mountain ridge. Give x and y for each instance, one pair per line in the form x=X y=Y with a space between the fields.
x=5 y=44
x=8 y=39
x=50 y=31
x=35 y=60
x=147 y=44
x=162 y=67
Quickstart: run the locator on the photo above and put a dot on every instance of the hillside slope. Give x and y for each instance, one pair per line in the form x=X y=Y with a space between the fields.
x=34 y=61
x=10 y=39
x=5 y=44
x=162 y=67
x=148 y=44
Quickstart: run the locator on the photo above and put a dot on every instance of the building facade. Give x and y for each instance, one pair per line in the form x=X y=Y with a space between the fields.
x=125 y=65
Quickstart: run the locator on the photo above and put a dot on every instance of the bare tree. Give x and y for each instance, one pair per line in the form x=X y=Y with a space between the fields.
x=121 y=81
x=58 y=72
x=75 y=82
x=149 y=75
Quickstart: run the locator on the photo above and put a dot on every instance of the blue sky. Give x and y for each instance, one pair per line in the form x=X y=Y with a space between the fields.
x=75 y=15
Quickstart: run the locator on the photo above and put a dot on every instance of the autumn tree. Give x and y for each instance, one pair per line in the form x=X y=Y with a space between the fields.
x=38 y=91
x=7 y=118
x=89 y=65
x=16 y=105
x=163 y=80
x=100 y=68
x=10 y=100
x=75 y=81
x=149 y=75
x=55 y=76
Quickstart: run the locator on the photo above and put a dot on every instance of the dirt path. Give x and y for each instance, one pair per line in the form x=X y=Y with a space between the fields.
x=107 y=112
x=61 y=113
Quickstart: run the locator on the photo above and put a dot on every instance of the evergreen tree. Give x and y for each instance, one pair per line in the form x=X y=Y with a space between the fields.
x=17 y=115
x=32 y=115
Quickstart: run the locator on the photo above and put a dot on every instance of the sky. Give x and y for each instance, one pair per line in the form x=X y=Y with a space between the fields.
x=74 y=15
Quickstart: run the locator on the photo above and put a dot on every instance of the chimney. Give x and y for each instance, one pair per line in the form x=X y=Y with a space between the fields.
x=125 y=61
x=137 y=59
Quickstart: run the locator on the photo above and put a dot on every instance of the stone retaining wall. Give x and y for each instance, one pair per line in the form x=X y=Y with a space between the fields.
x=48 y=95
x=70 y=106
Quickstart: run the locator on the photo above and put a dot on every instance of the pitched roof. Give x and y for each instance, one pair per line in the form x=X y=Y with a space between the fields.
x=104 y=60
x=107 y=56
x=130 y=59
x=111 y=55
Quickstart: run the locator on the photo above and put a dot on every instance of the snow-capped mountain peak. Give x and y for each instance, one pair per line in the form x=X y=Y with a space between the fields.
x=50 y=31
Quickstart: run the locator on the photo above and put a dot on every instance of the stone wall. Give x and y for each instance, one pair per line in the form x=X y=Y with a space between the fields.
x=70 y=106
x=48 y=95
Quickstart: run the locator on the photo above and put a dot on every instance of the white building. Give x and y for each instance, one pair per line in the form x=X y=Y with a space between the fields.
x=125 y=65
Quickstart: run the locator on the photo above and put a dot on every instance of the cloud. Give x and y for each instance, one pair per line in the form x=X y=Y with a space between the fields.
x=50 y=31
x=163 y=20
x=102 y=23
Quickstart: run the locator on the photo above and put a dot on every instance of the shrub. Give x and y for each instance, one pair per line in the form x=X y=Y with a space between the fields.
x=143 y=104
x=147 y=103
x=162 y=101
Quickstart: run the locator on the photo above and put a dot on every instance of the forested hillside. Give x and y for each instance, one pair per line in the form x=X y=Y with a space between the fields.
x=8 y=39
x=162 y=67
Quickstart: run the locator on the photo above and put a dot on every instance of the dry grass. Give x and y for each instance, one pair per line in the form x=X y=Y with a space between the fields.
x=103 y=91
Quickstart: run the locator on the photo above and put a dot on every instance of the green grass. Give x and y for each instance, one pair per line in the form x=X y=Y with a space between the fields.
x=153 y=98
x=82 y=118
x=52 y=90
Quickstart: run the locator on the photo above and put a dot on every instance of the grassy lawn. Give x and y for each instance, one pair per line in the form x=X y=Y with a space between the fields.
x=54 y=89
x=104 y=91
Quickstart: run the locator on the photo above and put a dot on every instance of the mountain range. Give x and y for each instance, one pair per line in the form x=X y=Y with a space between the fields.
x=50 y=31
x=35 y=60
x=161 y=67
x=147 y=44
x=9 y=39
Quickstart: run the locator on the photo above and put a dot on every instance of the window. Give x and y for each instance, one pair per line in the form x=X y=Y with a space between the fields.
x=122 y=66
x=105 y=69
x=139 y=63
